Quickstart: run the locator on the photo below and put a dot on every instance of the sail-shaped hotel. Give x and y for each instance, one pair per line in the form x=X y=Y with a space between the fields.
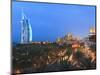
x=26 y=30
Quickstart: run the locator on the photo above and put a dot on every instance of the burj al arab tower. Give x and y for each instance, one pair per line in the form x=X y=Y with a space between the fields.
x=26 y=30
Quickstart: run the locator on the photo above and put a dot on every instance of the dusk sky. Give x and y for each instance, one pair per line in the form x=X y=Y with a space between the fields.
x=50 y=21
